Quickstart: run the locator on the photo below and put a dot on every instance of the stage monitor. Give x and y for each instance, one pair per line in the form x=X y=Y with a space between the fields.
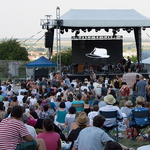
x=97 y=52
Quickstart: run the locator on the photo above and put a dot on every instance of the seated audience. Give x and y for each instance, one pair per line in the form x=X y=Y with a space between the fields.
x=15 y=140
x=51 y=138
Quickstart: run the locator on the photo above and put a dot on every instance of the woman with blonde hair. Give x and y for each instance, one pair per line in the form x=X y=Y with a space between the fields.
x=139 y=108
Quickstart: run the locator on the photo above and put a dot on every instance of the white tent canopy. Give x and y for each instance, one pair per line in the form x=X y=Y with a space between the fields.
x=146 y=61
x=104 y=18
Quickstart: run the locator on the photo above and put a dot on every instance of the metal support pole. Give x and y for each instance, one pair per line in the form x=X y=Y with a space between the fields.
x=58 y=39
x=137 y=33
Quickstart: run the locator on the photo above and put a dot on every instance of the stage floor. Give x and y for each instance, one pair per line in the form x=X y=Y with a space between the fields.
x=109 y=75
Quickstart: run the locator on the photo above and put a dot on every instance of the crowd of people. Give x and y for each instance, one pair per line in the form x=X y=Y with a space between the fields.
x=58 y=106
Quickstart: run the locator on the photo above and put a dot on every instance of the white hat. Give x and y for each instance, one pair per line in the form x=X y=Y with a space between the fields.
x=109 y=99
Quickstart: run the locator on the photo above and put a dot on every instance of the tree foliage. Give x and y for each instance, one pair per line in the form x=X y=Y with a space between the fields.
x=11 y=49
x=134 y=58
x=66 y=57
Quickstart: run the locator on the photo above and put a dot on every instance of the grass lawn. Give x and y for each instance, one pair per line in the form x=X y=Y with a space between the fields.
x=132 y=143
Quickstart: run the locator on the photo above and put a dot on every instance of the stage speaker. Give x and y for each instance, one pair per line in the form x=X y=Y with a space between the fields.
x=49 y=37
x=39 y=73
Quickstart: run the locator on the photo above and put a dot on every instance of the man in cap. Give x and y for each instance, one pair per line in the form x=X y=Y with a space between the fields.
x=110 y=100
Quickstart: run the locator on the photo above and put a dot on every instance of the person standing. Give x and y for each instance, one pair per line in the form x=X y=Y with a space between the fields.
x=43 y=82
x=134 y=88
x=125 y=92
x=67 y=81
x=141 y=87
x=58 y=78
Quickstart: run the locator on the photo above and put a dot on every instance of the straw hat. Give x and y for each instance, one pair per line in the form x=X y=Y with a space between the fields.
x=129 y=103
x=109 y=99
x=58 y=71
x=82 y=119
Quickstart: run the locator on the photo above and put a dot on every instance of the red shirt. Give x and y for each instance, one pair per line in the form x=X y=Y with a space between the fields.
x=12 y=132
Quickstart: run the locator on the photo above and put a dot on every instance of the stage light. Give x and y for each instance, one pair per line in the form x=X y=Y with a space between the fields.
x=106 y=29
x=72 y=30
x=77 y=32
x=144 y=28
x=96 y=30
x=84 y=30
x=128 y=30
x=114 y=33
x=89 y=30
x=66 y=30
x=62 y=31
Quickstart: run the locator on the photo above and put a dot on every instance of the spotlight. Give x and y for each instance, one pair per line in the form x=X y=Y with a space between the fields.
x=106 y=29
x=89 y=30
x=96 y=30
x=114 y=33
x=66 y=30
x=128 y=30
x=62 y=31
x=84 y=30
x=72 y=30
x=77 y=32
x=144 y=28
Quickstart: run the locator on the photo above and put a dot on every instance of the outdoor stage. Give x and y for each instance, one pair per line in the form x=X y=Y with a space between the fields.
x=109 y=75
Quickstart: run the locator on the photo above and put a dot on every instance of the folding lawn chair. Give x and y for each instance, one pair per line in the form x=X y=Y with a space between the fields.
x=140 y=128
x=110 y=130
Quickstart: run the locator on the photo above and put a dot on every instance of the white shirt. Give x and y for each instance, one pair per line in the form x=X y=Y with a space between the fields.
x=3 y=88
x=74 y=82
x=31 y=131
x=82 y=89
x=111 y=121
x=97 y=90
x=19 y=98
x=21 y=90
x=33 y=101
x=51 y=76
x=147 y=147
x=91 y=115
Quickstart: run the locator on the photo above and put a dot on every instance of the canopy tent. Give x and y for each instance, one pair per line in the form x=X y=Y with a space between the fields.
x=87 y=19
x=94 y=18
x=41 y=62
x=146 y=61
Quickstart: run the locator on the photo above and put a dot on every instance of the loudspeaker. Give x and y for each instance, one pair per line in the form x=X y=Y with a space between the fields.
x=43 y=72
x=49 y=37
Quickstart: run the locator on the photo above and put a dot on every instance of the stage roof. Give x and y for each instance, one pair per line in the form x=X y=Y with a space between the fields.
x=92 y=18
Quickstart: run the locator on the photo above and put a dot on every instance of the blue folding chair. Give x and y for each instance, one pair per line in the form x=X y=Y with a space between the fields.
x=140 y=128
x=110 y=129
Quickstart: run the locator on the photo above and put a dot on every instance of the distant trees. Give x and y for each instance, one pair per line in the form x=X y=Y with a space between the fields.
x=11 y=49
x=134 y=59
x=66 y=57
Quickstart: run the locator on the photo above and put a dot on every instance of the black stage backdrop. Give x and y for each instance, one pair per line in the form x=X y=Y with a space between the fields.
x=81 y=47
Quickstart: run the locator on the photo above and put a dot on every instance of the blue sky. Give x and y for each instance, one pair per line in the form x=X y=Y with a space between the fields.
x=21 y=18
